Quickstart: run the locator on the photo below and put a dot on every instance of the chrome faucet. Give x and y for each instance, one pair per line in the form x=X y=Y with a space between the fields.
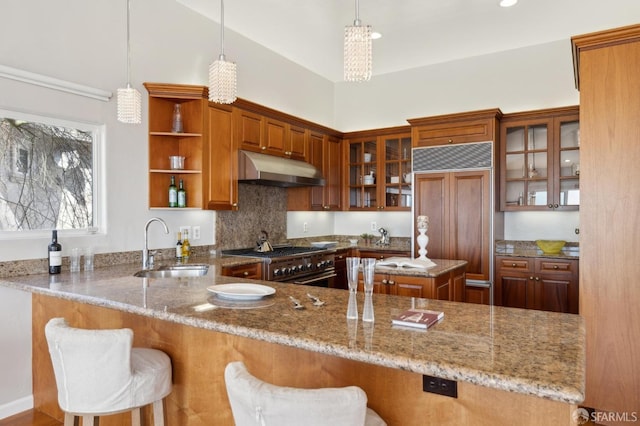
x=147 y=262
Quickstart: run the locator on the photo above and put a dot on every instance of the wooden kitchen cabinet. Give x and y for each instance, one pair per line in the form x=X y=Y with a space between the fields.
x=474 y=126
x=606 y=73
x=325 y=153
x=340 y=281
x=267 y=135
x=377 y=162
x=221 y=188
x=459 y=207
x=447 y=286
x=540 y=160
x=164 y=143
x=546 y=284
x=479 y=295
x=250 y=271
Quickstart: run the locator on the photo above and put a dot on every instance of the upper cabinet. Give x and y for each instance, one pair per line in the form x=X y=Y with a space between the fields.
x=325 y=153
x=378 y=170
x=166 y=141
x=260 y=133
x=221 y=158
x=540 y=160
x=474 y=126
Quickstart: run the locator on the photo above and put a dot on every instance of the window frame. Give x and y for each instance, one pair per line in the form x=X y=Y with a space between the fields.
x=98 y=132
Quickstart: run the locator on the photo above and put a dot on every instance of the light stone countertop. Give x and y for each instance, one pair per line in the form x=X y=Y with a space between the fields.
x=524 y=351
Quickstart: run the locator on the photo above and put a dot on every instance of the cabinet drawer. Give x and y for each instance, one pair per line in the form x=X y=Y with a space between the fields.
x=556 y=266
x=383 y=254
x=438 y=134
x=514 y=264
x=250 y=271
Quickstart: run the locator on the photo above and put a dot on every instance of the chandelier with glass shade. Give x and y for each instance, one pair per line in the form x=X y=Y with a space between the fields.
x=222 y=73
x=129 y=98
x=357 y=50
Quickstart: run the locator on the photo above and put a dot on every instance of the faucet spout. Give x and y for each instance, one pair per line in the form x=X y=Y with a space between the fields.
x=145 y=251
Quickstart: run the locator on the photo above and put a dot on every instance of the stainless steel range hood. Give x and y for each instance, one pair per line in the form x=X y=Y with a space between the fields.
x=270 y=170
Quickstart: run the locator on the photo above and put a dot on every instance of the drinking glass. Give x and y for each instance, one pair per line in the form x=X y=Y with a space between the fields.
x=368 y=270
x=353 y=266
x=74 y=260
x=88 y=259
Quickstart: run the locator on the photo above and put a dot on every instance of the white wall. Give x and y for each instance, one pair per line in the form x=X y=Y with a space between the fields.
x=84 y=42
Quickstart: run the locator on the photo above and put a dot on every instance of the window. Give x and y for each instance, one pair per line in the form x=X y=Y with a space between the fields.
x=48 y=173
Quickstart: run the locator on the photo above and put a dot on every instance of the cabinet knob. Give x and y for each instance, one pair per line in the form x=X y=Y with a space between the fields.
x=263 y=148
x=246 y=273
x=450 y=141
x=531 y=278
x=513 y=265
x=550 y=206
x=326 y=207
x=555 y=206
x=384 y=281
x=555 y=266
x=392 y=283
x=235 y=204
x=537 y=278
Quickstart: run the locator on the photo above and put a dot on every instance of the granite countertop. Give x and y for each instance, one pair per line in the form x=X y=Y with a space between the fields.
x=442 y=267
x=570 y=251
x=525 y=351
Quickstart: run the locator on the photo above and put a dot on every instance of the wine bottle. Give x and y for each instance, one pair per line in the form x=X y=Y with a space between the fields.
x=179 y=247
x=55 y=254
x=182 y=195
x=186 y=246
x=173 y=193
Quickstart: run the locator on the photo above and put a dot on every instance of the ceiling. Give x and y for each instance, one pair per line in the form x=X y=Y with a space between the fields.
x=414 y=32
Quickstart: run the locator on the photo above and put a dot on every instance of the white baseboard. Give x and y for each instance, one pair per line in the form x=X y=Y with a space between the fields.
x=15 y=407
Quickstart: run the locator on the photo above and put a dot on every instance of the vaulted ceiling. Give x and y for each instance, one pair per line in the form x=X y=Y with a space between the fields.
x=414 y=32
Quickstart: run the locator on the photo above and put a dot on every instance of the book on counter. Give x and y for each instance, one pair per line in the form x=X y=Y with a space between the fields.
x=418 y=318
x=406 y=262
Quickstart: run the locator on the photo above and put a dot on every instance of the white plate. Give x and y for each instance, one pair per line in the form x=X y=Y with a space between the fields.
x=241 y=291
x=324 y=244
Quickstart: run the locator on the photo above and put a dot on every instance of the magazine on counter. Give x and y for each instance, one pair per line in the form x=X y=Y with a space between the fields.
x=406 y=262
x=419 y=318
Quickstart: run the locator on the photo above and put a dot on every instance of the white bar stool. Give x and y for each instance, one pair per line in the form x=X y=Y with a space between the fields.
x=99 y=373
x=257 y=403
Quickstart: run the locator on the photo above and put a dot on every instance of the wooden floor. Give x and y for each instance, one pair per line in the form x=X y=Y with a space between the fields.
x=30 y=418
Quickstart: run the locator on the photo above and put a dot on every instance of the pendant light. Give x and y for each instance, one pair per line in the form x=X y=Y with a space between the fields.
x=357 y=50
x=222 y=74
x=129 y=99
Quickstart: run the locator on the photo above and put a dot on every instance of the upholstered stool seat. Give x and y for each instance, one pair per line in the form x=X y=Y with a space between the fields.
x=99 y=373
x=254 y=402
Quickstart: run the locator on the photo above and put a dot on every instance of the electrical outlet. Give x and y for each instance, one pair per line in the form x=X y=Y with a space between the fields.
x=196 y=233
x=305 y=227
x=440 y=386
x=374 y=226
x=185 y=228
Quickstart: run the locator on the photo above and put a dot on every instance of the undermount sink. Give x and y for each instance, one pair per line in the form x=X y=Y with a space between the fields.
x=174 y=271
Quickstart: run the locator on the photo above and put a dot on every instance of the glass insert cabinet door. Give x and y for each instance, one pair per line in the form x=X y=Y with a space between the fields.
x=397 y=172
x=363 y=173
x=541 y=165
x=379 y=173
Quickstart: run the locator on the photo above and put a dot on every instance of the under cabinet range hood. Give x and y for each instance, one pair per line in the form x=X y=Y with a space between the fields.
x=270 y=170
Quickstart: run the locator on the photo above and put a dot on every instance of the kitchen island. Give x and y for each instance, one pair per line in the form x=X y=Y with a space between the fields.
x=511 y=366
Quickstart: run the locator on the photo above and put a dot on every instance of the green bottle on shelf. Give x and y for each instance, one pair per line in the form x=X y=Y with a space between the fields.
x=173 y=193
x=182 y=195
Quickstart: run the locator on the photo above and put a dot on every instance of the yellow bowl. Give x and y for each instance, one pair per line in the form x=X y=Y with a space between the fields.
x=550 y=246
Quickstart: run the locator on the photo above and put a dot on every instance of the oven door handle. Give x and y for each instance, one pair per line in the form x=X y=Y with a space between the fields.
x=317 y=278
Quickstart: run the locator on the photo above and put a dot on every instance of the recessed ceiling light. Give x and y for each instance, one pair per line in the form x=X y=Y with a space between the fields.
x=507 y=3
x=375 y=35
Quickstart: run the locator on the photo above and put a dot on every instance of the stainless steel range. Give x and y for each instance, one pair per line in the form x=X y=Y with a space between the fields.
x=294 y=264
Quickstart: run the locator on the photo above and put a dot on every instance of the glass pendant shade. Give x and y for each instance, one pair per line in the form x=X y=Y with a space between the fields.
x=357 y=52
x=129 y=105
x=222 y=81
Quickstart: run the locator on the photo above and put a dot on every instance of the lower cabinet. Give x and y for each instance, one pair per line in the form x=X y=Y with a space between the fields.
x=250 y=271
x=537 y=283
x=480 y=295
x=340 y=281
x=447 y=286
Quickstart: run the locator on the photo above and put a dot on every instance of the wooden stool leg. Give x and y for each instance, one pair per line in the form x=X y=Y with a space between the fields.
x=71 y=420
x=135 y=417
x=158 y=413
x=90 y=420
